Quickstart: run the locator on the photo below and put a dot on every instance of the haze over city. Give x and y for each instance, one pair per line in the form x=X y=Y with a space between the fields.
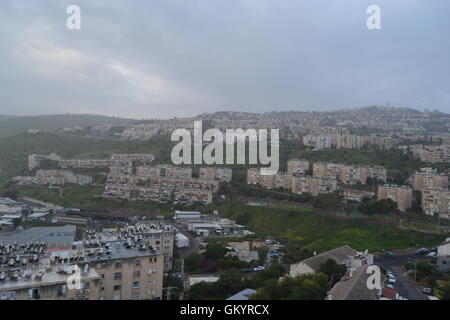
x=181 y=58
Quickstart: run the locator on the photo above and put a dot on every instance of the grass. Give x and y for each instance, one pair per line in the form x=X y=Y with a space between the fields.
x=75 y=196
x=308 y=228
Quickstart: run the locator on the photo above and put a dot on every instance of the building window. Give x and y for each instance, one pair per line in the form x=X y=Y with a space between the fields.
x=136 y=274
x=117 y=287
x=8 y=295
x=136 y=285
x=135 y=295
x=118 y=276
x=118 y=265
x=137 y=262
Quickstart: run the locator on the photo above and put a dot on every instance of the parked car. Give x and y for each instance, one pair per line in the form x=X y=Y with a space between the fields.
x=260 y=268
x=268 y=241
x=392 y=280
x=246 y=270
x=428 y=291
x=422 y=251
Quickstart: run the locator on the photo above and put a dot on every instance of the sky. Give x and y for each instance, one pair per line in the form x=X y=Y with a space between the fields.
x=176 y=58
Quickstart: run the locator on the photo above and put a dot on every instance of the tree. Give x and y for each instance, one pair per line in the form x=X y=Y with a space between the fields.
x=333 y=271
x=371 y=206
x=304 y=287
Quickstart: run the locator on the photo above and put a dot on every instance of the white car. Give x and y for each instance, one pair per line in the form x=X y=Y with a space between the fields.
x=392 y=280
x=260 y=268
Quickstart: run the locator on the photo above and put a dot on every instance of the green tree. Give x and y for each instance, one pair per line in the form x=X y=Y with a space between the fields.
x=333 y=271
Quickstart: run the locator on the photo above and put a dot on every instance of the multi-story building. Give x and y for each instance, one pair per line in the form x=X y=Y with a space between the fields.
x=378 y=173
x=161 y=189
x=220 y=174
x=54 y=178
x=313 y=185
x=128 y=270
x=297 y=167
x=140 y=157
x=154 y=234
x=400 y=194
x=431 y=154
x=28 y=273
x=436 y=202
x=279 y=180
x=34 y=160
x=317 y=141
x=347 y=142
x=254 y=176
x=326 y=170
x=353 y=174
x=429 y=178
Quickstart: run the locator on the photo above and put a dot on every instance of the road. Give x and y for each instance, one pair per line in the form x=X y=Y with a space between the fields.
x=403 y=285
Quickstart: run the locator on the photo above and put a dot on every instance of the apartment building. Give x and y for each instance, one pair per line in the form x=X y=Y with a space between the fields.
x=317 y=142
x=297 y=167
x=349 y=174
x=157 y=235
x=34 y=160
x=220 y=174
x=140 y=157
x=313 y=185
x=431 y=154
x=161 y=189
x=354 y=142
x=353 y=174
x=400 y=194
x=254 y=176
x=436 y=202
x=428 y=178
x=164 y=171
x=28 y=273
x=53 y=178
x=378 y=173
x=326 y=170
x=128 y=270
x=277 y=181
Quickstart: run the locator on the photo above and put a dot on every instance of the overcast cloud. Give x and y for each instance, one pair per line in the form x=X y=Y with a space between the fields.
x=166 y=58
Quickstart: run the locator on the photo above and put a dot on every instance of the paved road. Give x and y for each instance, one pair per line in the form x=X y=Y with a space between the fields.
x=404 y=286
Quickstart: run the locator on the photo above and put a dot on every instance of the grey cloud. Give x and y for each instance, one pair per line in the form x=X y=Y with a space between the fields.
x=165 y=58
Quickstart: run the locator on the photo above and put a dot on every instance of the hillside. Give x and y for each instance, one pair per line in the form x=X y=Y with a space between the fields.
x=5 y=117
x=14 y=150
x=11 y=125
x=311 y=230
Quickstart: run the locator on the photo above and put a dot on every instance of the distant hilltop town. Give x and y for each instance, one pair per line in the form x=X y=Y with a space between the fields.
x=370 y=126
